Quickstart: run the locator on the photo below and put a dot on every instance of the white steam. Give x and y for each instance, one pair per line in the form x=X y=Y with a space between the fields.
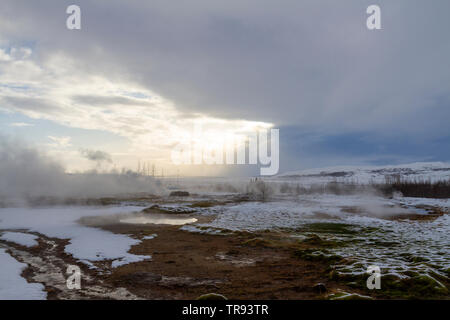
x=27 y=173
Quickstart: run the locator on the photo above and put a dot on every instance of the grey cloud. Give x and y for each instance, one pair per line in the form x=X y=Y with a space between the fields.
x=96 y=155
x=107 y=101
x=308 y=63
x=29 y=104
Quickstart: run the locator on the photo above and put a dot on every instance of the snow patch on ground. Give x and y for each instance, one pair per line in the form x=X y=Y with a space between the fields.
x=12 y=285
x=23 y=239
x=150 y=237
x=86 y=243
x=398 y=246
x=440 y=203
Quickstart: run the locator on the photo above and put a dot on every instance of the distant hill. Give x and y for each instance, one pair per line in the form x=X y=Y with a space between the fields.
x=433 y=171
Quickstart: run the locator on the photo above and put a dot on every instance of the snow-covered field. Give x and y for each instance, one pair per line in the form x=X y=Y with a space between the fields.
x=371 y=234
x=370 y=229
x=433 y=171
x=377 y=234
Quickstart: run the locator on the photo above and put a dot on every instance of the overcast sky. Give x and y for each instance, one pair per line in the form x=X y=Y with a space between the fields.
x=140 y=73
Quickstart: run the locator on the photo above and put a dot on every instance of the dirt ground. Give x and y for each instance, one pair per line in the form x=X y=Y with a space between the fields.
x=185 y=265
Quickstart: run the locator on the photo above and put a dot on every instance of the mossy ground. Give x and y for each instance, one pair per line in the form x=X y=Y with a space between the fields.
x=318 y=244
x=392 y=287
x=205 y=204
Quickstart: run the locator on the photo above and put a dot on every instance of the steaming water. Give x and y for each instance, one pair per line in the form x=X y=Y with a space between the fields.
x=158 y=220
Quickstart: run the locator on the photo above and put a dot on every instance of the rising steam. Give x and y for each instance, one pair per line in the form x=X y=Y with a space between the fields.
x=27 y=173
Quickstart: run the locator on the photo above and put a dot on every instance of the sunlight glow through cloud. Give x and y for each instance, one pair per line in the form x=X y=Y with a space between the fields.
x=58 y=90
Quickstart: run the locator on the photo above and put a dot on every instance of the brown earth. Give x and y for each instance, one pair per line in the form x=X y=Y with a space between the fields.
x=185 y=265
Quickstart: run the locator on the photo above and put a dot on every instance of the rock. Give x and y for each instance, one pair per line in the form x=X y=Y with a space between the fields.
x=313 y=239
x=320 y=288
x=212 y=296
x=168 y=210
x=179 y=194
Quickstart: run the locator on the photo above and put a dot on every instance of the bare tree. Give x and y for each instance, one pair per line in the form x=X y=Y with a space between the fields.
x=260 y=188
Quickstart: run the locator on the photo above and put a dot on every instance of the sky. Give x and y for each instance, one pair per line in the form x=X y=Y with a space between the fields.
x=141 y=75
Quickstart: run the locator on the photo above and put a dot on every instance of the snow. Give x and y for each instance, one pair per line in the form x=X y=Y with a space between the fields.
x=12 y=285
x=428 y=241
x=433 y=171
x=150 y=237
x=23 y=239
x=441 y=203
x=395 y=245
x=86 y=244
x=258 y=216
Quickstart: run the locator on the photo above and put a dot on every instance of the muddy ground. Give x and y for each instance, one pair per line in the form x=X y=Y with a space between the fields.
x=184 y=265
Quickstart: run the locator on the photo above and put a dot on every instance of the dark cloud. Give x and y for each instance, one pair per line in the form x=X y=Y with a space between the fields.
x=96 y=155
x=296 y=62
x=108 y=101
x=28 y=104
x=311 y=64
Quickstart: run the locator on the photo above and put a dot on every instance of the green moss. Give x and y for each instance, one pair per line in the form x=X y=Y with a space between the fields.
x=108 y=201
x=315 y=240
x=213 y=230
x=212 y=296
x=356 y=280
x=314 y=255
x=386 y=244
x=326 y=227
x=412 y=258
x=259 y=242
x=447 y=272
x=203 y=204
x=157 y=209
x=415 y=287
